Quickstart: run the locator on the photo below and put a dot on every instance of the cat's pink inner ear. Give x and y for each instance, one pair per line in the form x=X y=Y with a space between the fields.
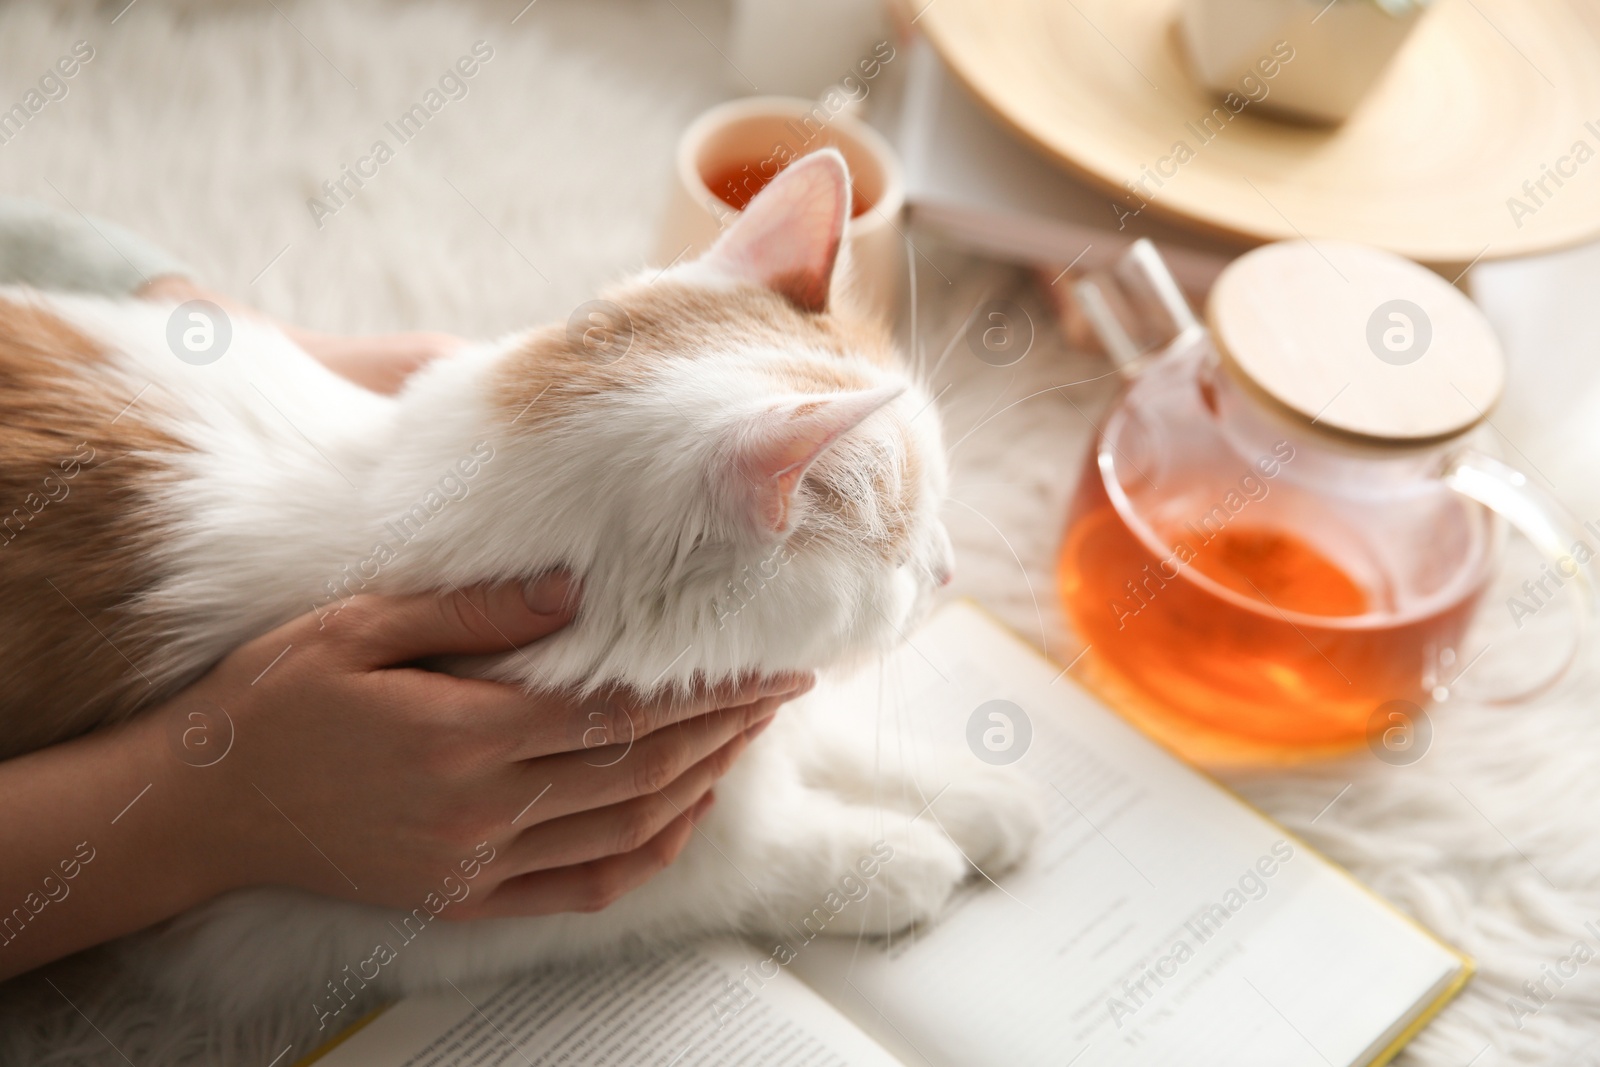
x=787 y=238
x=786 y=440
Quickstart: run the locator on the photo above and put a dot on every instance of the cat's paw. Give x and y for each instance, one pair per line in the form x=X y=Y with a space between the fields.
x=991 y=814
x=920 y=870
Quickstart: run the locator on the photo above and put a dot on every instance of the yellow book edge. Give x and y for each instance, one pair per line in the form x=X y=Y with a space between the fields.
x=1469 y=966
x=342 y=1036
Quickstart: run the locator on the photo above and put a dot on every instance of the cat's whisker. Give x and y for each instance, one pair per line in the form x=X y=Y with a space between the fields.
x=1044 y=643
x=974 y=865
x=961 y=331
x=932 y=401
x=917 y=355
x=1038 y=392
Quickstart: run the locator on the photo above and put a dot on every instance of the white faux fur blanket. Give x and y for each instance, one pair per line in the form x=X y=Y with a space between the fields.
x=208 y=126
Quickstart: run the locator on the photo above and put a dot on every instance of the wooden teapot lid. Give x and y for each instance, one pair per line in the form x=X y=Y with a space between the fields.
x=1357 y=341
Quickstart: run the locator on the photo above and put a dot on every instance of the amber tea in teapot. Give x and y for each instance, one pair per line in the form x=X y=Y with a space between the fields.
x=1271 y=540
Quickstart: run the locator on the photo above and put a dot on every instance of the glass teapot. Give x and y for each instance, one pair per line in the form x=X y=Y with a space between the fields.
x=1281 y=536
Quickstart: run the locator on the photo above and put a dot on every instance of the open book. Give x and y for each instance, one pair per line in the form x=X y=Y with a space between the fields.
x=1159 y=920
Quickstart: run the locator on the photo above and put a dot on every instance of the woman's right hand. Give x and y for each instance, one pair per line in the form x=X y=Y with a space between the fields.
x=356 y=775
x=318 y=756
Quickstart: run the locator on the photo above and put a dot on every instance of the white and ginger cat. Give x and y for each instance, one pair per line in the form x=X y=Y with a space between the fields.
x=750 y=428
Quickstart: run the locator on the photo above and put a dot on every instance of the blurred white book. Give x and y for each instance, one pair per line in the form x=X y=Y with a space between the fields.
x=982 y=187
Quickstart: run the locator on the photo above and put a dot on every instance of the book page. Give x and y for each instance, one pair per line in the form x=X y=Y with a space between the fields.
x=682 y=1009
x=1159 y=920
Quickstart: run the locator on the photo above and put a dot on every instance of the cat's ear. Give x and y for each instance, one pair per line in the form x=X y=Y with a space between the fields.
x=775 y=448
x=787 y=238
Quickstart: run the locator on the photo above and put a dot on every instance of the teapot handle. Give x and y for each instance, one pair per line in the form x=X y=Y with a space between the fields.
x=1552 y=529
x=1135 y=306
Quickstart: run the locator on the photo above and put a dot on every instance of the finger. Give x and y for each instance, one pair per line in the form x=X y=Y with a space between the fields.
x=609 y=831
x=380 y=362
x=616 y=718
x=384 y=631
x=586 y=780
x=594 y=885
x=583 y=781
x=527 y=726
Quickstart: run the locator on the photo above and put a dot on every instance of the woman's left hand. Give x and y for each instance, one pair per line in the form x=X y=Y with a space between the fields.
x=380 y=362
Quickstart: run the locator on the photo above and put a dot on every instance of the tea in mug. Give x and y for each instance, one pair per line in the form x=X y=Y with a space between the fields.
x=736 y=183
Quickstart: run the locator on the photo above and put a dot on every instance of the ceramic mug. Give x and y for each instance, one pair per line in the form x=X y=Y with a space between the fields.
x=736 y=147
x=1284 y=56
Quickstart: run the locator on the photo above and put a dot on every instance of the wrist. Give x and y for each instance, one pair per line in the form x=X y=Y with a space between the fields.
x=194 y=847
x=104 y=838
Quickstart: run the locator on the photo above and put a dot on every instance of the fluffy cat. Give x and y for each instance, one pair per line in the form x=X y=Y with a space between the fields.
x=743 y=478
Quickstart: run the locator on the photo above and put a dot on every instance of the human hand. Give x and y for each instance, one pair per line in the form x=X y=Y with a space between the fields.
x=380 y=362
x=355 y=775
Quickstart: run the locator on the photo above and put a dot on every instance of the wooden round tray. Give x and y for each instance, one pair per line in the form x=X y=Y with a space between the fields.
x=1485 y=96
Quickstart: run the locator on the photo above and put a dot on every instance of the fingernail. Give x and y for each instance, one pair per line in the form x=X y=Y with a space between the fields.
x=791 y=683
x=755 y=731
x=547 y=594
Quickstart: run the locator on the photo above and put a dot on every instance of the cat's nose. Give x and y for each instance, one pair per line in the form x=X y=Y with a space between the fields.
x=943 y=574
